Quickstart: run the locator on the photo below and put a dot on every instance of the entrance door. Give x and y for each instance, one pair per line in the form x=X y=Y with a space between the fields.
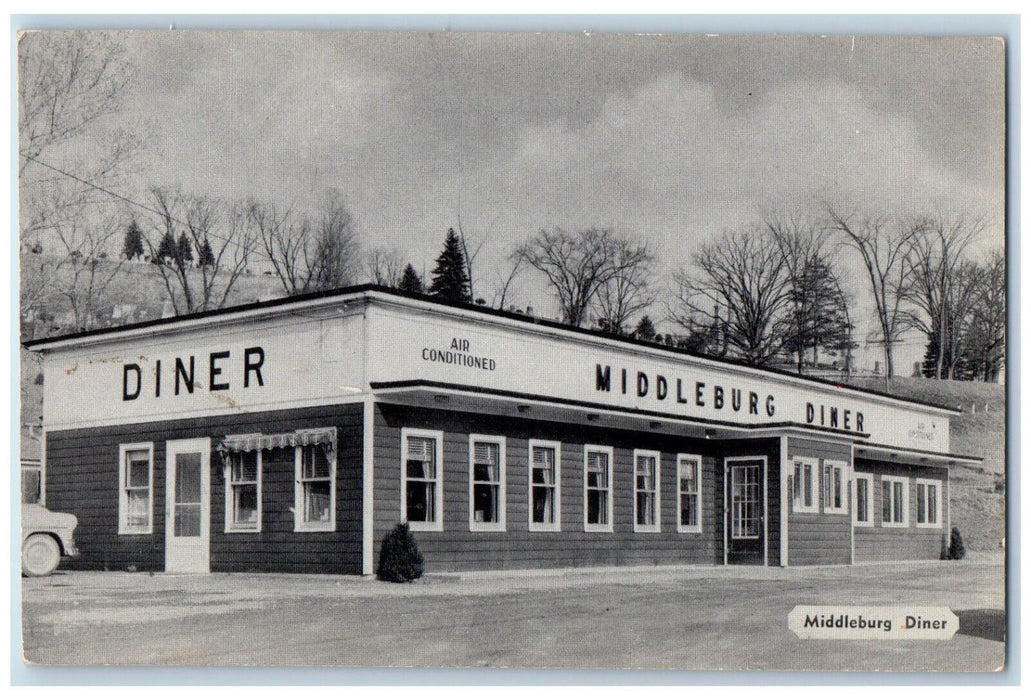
x=188 y=506
x=745 y=510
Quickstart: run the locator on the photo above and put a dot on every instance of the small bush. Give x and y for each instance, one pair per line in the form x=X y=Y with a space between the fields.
x=399 y=559
x=956 y=548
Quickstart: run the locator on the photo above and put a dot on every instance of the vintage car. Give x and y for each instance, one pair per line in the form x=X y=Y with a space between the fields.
x=46 y=536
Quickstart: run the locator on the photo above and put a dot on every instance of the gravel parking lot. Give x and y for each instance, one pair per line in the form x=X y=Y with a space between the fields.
x=661 y=618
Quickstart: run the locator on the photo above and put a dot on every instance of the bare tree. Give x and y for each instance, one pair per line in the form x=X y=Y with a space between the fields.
x=739 y=286
x=576 y=266
x=385 y=266
x=69 y=82
x=986 y=339
x=205 y=223
x=470 y=257
x=504 y=286
x=942 y=286
x=627 y=291
x=337 y=253
x=307 y=257
x=88 y=265
x=884 y=245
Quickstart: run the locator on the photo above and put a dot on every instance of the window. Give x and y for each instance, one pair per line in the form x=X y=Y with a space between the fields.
x=804 y=491
x=864 y=494
x=646 y=491
x=894 y=501
x=486 y=482
x=136 y=477
x=689 y=493
x=597 y=489
x=422 y=491
x=315 y=499
x=243 y=492
x=834 y=488
x=31 y=483
x=546 y=486
x=928 y=503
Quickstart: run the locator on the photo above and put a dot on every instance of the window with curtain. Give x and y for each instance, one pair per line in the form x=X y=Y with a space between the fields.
x=316 y=484
x=487 y=479
x=864 y=493
x=243 y=492
x=646 y=484
x=689 y=493
x=135 y=498
x=834 y=488
x=894 y=501
x=544 y=491
x=420 y=479
x=803 y=487
x=597 y=478
x=928 y=511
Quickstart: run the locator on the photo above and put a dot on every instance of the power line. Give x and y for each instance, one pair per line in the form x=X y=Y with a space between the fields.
x=123 y=198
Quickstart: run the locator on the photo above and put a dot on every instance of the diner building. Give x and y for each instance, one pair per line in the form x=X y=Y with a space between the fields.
x=293 y=435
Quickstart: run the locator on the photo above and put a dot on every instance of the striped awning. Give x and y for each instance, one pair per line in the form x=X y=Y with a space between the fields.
x=253 y=442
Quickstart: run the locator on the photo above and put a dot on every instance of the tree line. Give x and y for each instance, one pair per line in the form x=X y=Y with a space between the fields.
x=758 y=294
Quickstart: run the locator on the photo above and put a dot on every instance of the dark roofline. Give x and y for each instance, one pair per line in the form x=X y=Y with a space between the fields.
x=547 y=323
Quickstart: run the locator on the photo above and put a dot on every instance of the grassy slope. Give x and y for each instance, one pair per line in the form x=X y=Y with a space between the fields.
x=978 y=493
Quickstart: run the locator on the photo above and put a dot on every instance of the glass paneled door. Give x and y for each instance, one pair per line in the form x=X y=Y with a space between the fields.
x=745 y=510
x=188 y=506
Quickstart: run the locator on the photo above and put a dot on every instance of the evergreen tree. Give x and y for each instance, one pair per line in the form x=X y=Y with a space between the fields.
x=957 y=550
x=184 y=250
x=645 y=329
x=399 y=558
x=450 y=281
x=166 y=249
x=206 y=256
x=819 y=316
x=132 y=248
x=410 y=281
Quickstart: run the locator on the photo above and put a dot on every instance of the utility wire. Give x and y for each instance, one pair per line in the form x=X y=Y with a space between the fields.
x=123 y=198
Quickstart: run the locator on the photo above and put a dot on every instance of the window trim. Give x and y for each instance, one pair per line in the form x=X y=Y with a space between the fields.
x=657 y=526
x=544 y=527
x=831 y=465
x=299 y=524
x=123 y=499
x=607 y=526
x=937 y=524
x=230 y=526
x=501 y=525
x=868 y=478
x=904 y=480
x=437 y=525
x=798 y=504
x=698 y=482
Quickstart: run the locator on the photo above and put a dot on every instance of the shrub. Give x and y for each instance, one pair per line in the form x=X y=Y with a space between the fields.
x=399 y=559
x=956 y=548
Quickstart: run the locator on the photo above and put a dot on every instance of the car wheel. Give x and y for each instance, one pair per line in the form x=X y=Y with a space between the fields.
x=40 y=555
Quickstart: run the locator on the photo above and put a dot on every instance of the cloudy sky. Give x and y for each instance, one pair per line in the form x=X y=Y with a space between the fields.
x=671 y=138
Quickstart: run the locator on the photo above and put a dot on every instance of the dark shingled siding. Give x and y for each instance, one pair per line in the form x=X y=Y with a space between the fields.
x=82 y=478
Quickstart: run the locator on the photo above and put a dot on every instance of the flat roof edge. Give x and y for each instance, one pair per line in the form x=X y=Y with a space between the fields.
x=631 y=412
x=366 y=289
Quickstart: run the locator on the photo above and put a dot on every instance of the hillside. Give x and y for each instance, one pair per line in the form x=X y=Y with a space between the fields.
x=137 y=293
